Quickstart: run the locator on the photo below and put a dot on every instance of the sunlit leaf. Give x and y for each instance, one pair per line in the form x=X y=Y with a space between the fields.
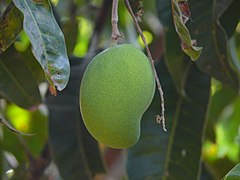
x=84 y=34
x=47 y=40
x=227 y=132
x=29 y=122
x=22 y=42
x=11 y=128
x=219 y=101
x=10 y=26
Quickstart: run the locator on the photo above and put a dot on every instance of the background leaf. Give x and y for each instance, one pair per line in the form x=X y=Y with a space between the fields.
x=11 y=128
x=66 y=11
x=174 y=57
x=47 y=40
x=17 y=83
x=227 y=132
x=11 y=25
x=207 y=29
x=16 y=148
x=172 y=156
x=219 y=100
x=75 y=152
x=27 y=122
x=230 y=17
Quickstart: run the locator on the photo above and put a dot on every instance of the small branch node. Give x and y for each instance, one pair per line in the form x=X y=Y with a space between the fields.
x=161 y=120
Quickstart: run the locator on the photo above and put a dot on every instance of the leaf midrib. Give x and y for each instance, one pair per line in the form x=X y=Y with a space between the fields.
x=39 y=32
x=171 y=138
x=175 y=121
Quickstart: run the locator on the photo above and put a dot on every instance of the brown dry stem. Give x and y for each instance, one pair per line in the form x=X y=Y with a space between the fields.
x=159 y=118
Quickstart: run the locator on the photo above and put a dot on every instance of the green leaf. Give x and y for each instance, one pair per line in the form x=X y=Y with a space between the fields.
x=230 y=17
x=65 y=10
x=27 y=122
x=17 y=83
x=227 y=132
x=12 y=144
x=27 y=58
x=233 y=51
x=11 y=128
x=75 y=152
x=10 y=26
x=207 y=29
x=234 y=174
x=219 y=101
x=1 y=160
x=170 y=155
x=187 y=44
x=174 y=57
x=48 y=44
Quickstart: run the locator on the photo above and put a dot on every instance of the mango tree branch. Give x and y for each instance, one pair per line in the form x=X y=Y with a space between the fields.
x=115 y=32
x=159 y=118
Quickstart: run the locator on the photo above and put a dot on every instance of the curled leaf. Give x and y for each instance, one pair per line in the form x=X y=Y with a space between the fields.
x=181 y=15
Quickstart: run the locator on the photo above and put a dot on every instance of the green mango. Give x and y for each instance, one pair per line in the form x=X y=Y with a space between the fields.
x=117 y=88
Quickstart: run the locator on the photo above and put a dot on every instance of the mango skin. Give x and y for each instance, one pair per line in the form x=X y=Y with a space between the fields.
x=117 y=88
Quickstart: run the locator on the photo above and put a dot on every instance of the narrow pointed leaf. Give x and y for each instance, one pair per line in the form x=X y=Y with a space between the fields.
x=48 y=44
x=10 y=26
x=170 y=155
x=207 y=29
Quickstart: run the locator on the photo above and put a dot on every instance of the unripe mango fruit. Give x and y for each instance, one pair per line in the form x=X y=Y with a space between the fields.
x=117 y=88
